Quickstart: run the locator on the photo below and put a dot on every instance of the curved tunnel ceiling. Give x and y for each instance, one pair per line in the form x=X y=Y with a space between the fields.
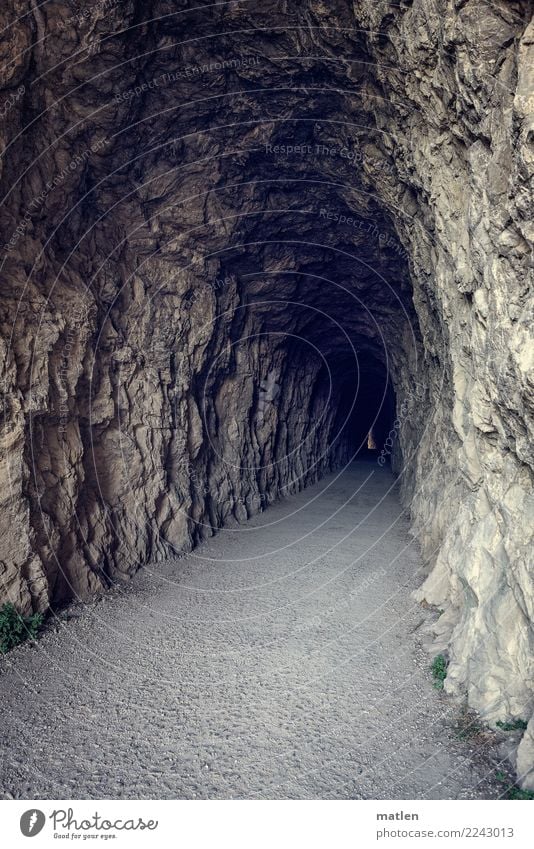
x=246 y=151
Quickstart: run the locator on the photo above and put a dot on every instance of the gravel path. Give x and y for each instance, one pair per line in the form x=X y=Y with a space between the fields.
x=279 y=660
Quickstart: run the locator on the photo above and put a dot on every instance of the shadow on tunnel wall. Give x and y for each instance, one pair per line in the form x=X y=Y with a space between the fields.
x=366 y=414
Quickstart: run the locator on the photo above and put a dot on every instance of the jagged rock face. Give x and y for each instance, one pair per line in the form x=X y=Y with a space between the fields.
x=229 y=233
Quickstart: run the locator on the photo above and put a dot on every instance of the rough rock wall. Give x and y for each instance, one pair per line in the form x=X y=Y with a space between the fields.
x=164 y=254
x=137 y=341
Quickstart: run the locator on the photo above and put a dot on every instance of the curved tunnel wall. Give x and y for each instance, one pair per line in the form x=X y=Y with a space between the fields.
x=287 y=203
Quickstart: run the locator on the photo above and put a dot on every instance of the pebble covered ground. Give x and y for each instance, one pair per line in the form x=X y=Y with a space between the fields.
x=278 y=660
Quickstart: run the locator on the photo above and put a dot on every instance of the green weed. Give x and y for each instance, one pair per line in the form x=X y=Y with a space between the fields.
x=439 y=671
x=512 y=791
x=515 y=725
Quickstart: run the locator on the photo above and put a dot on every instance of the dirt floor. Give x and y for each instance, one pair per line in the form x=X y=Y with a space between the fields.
x=278 y=660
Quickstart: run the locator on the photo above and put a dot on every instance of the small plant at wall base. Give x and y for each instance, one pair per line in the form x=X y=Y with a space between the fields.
x=15 y=628
x=468 y=727
x=439 y=671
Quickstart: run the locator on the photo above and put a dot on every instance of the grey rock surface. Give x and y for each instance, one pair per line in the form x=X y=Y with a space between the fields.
x=196 y=199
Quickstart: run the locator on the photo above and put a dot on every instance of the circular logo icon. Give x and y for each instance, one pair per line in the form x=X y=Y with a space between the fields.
x=32 y=822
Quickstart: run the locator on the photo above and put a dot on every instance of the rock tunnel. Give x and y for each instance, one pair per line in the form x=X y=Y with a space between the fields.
x=246 y=244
